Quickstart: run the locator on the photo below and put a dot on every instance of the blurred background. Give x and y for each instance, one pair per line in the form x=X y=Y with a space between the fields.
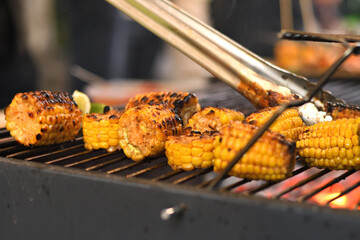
x=90 y=46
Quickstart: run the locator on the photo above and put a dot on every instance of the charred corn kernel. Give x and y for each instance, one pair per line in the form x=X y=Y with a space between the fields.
x=98 y=131
x=273 y=154
x=212 y=119
x=184 y=104
x=189 y=155
x=289 y=123
x=340 y=110
x=42 y=118
x=157 y=121
x=336 y=149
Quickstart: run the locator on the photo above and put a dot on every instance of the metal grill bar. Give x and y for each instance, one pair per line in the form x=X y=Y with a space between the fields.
x=103 y=164
x=52 y=153
x=73 y=154
x=87 y=160
x=142 y=171
x=167 y=175
x=21 y=153
x=312 y=92
x=7 y=139
x=67 y=157
x=234 y=185
x=302 y=183
x=4 y=131
x=193 y=175
x=119 y=169
x=346 y=191
x=357 y=206
x=330 y=183
x=269 y=184
x=12 y=148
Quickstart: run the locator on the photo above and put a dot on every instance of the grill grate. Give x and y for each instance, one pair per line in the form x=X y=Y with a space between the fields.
x=305 y=184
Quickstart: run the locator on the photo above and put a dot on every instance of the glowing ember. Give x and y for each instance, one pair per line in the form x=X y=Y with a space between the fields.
x=323 y=198
x=320 y=191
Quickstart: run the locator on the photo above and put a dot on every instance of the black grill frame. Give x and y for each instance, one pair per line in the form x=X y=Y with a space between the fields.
x=38 y=199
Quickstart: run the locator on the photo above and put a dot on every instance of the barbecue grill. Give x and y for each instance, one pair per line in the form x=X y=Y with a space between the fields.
x=66 y=192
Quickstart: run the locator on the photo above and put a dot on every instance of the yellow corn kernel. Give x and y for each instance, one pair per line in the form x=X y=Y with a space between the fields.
x=289 y=123
x=146 y=128
x=338 y=144
x=41 y=118
x=212 y=119
x=98 y=132
x=195 y=151
x=271 y=157
x=342 y=111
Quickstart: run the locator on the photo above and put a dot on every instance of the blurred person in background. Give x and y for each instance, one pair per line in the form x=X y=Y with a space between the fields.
x=17 y=72
x=52 y=35
x=107 y=43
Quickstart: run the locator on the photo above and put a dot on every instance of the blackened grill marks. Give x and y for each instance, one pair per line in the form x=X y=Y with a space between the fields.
x=44 y=129
x=38 y=136
x=252 y=122
x=113 y=117
x=178 y=119
x=144 y=99
x=92 y=116
x=188 y=97
x=106 y=109
x=178 y=103
x=45 y=94
x=210 y=112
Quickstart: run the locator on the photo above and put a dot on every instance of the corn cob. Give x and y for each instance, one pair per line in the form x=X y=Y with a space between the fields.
x=43 y=118
x=340 y=110
x=188 y=152
x=331 y=145
x=271 y=158
x=212 y=119
x=184 y=104
x=143 y=130
x=289 y=123
x=101 y=130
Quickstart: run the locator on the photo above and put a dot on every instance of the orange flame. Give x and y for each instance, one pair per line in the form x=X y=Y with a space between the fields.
x=323 y=198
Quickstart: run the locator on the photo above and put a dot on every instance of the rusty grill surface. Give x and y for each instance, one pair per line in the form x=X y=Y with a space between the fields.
x=305 y=185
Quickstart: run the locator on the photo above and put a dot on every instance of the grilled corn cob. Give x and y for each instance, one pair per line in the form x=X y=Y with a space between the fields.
x=101 y=130
x=289 y=123
x=184 y=104
x=43 y=118
x=188 y=152
x=339 y=110
x=332 y=145
x=212 y=119
x=143 y=130
x=271 y=158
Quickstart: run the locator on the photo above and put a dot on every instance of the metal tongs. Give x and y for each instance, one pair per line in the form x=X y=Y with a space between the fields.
x=261 y=82
x=227 y=60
